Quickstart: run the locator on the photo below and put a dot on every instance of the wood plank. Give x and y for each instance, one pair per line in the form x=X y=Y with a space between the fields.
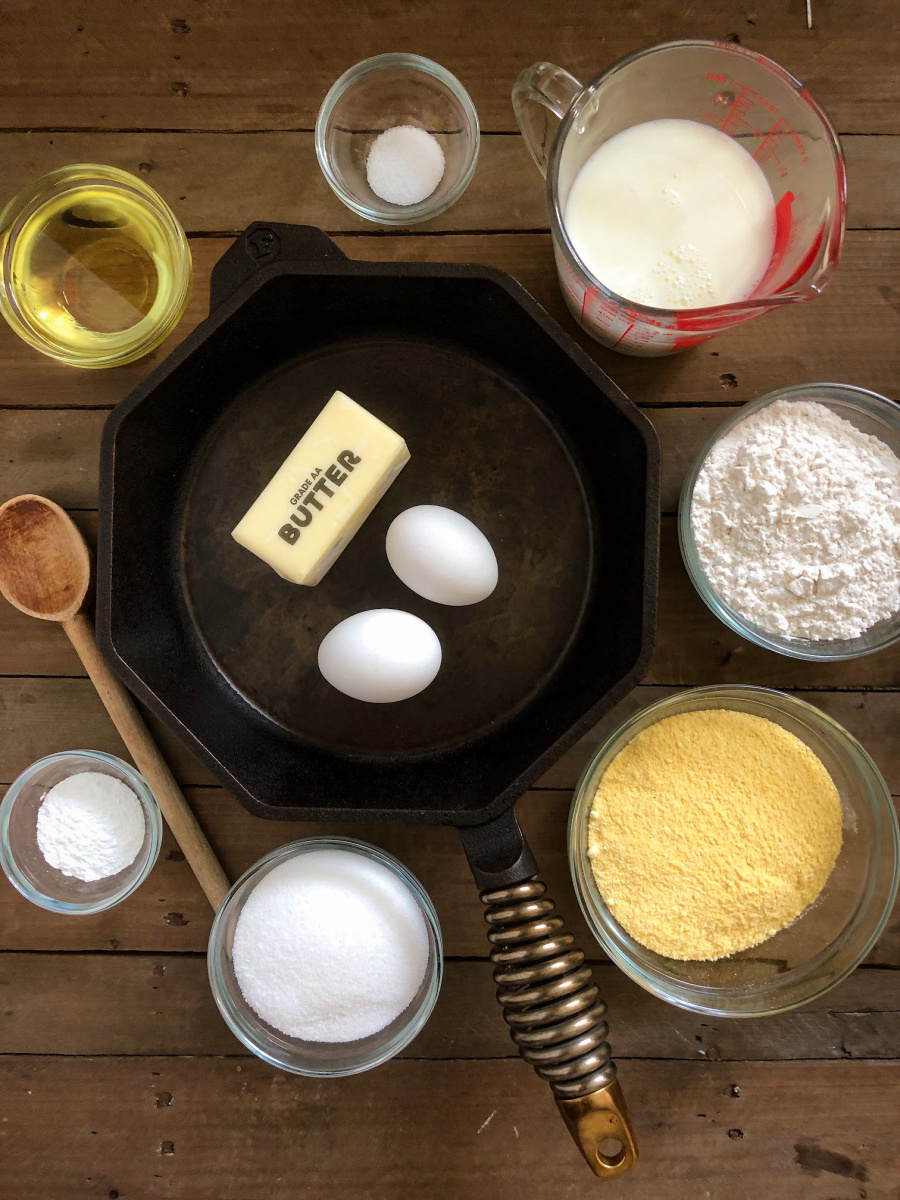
x=222 y=67
x=52 y=451
x=90 y=1004
x=693 y=646
x=169 y=913
x=40 y=716
x=57 y=451
x=871 y=717
x=850 y=333
x=221 y=182
x=208 y=1128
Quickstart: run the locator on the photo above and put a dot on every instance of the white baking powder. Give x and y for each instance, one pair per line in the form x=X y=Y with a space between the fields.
x=405 y=165
x=796 y=517
x=90 y=826
x=330 y=947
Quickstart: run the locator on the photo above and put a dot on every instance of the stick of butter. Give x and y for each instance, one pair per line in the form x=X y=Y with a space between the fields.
x=323 y=491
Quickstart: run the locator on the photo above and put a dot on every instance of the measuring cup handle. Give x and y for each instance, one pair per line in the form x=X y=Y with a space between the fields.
x=540 y=90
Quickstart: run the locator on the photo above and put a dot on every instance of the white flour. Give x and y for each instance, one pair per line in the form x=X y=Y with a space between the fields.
x=796 y=517
x=90 y=826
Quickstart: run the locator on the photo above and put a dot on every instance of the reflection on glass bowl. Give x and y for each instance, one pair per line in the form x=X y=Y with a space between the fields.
x=829 y=939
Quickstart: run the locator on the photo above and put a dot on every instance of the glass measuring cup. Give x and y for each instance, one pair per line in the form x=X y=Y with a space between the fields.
x=746 y=96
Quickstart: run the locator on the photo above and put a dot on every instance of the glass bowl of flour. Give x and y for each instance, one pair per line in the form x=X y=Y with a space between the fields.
x=325 y=958
x=79 y=832
x=789 y=522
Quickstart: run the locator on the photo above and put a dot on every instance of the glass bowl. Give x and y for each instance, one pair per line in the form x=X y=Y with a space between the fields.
x=25 y=866
x=378 y=94
x=328 y=1059
x=871 y=413
x=96 y=269
x=827 y=941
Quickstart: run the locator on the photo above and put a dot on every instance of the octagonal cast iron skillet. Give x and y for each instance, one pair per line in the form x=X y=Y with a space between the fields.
x=508 y=422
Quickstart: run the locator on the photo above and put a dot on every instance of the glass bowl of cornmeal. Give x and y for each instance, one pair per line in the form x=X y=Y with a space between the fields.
x=734 y=850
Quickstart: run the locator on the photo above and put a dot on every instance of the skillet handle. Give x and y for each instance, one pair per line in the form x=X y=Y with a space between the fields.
x=548 y=994
x=262 y=243
x=556 y=1018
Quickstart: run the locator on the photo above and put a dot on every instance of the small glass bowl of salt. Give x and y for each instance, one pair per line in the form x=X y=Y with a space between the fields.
x=325 y=958
x=79 y=831
x=397 y=138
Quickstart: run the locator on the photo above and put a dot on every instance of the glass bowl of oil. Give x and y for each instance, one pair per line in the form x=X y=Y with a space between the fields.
x=95 y=269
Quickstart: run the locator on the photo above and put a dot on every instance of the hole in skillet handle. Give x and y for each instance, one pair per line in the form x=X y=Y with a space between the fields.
x=263 y=243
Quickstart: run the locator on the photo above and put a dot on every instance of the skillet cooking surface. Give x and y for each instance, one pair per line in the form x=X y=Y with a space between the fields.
x=507 y=421
x=479 y=444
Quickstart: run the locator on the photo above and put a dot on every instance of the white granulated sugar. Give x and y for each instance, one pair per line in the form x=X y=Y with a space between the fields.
x=796 y=517
x=90 y=826
x=405 y=165
x=330 y=947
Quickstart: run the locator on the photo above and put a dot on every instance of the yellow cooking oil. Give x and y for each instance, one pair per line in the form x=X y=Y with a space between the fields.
x=97 y=273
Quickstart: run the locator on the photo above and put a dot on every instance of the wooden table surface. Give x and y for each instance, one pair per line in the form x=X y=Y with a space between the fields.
x=117 y=1076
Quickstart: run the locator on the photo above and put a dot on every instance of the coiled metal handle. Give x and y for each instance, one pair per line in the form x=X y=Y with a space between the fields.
x=556 y=1018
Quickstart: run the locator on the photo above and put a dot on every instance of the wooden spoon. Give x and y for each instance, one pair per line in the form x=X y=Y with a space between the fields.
x=45 y=572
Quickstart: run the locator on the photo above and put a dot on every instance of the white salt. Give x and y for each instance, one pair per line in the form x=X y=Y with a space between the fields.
x=405 y=165
x=330 y=947
x=90 y=826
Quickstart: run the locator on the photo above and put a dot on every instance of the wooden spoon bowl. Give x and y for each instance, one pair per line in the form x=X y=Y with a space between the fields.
x=45 y=565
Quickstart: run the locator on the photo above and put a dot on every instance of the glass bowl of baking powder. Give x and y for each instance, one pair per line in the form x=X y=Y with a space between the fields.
x=102 y=827
x=789 y=522
x=828 y=939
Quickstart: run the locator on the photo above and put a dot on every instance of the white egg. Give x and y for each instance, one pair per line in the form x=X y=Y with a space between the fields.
x=441 y=555
x=380 y=656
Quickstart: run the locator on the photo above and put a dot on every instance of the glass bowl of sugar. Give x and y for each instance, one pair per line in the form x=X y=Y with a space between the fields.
x=789 y=522
x=325 y=958
x=397 y=138
x=79 y=832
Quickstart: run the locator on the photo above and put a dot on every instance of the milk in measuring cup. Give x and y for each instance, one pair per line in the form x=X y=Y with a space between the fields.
x=673 y=214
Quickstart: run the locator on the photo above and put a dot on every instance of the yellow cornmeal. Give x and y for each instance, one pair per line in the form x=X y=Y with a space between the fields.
x=712 y=830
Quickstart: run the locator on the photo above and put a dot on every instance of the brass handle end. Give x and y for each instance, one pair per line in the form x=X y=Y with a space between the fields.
x=600 y=1117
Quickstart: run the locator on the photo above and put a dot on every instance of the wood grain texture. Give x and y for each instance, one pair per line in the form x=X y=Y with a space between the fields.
x=59 y=452
x=94 y=1004
x=124 y=714
x=170 y=914
x=850 y=333
x=221 y=182
x=39 y=716
x=229 y=65
x=203 y=1128
x=693 y=647
x=212 y=102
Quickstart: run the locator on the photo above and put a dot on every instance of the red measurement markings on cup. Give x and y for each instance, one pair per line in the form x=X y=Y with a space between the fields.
x=767 y=150
x=741 y=107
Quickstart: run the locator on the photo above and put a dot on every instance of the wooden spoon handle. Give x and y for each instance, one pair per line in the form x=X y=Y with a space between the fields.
x=149 y=761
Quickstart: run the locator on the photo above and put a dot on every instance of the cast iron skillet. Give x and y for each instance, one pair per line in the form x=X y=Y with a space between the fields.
x=508 y=422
